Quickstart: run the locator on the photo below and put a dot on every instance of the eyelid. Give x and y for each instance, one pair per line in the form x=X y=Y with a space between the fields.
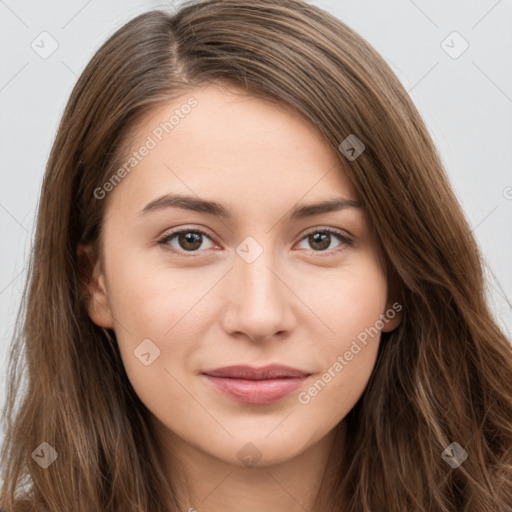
x=344 y=236
x=340 y=232
x=171 y=234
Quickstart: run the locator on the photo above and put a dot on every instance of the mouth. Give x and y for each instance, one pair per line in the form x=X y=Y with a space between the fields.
x=258 y=386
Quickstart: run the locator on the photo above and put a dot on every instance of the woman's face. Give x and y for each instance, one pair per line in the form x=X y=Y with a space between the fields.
x=263 y=286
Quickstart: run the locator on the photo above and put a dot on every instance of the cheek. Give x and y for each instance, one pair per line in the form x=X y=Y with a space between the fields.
x=332 y=393
x=159 y=321
x=159 y=329
x=351 y=301
x=352 y=310
x=160 y=318
x=150 y=298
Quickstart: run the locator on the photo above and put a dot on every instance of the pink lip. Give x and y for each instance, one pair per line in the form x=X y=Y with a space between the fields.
x=256 y=385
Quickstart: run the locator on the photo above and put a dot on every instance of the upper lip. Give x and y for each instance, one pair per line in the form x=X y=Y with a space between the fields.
x=274 y=371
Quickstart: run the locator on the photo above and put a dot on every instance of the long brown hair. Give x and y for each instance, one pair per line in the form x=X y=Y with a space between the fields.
x=443 y=376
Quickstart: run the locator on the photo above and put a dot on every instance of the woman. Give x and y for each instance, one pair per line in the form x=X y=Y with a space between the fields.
x=252 y=286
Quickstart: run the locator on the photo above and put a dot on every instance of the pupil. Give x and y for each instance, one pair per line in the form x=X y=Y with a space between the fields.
x=190 y=240
x=323 y=239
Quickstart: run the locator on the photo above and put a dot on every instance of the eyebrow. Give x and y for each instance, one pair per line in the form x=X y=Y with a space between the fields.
x=219 y=210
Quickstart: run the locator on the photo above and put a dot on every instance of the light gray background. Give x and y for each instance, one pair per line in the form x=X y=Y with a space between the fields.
x=465 y=101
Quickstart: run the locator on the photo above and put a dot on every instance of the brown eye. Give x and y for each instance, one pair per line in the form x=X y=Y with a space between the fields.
x=190 y=240
x=187 y=240
x=320 y=240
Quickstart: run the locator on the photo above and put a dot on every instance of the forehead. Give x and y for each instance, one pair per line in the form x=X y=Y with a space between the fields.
x=233 y=146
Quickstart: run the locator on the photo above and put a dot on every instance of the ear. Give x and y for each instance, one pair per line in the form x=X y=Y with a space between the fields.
x=394 y=306
x=393 y=316
x=93 y=281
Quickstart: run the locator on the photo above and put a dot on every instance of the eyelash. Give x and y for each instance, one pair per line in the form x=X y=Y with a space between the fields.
x=191 y=254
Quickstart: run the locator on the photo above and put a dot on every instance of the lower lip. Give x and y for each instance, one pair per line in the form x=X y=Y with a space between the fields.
x=259 y=392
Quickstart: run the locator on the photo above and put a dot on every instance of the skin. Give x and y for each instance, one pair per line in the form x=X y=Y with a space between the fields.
x=295 y=304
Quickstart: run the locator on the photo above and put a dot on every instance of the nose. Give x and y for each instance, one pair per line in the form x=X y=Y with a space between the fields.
x=259 y=299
